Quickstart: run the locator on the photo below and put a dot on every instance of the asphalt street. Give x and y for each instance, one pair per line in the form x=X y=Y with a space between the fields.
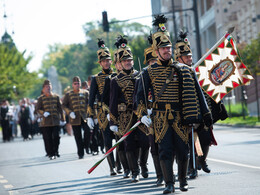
x=24 y=169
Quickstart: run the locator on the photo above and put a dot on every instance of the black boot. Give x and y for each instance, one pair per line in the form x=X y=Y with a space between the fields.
x=143 y=162
x=118 y=163
x=167 y=170
x=123 y=160
x=182 y=172
x=111 y=163
x=132 y=162
x=202 y=159
x=158 y=170
x=192 y=171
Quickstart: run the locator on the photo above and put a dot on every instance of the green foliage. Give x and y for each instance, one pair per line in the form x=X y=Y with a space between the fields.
x=81 y=59
x=251 y=55
x=236 y=110
x=15 y=79
x=250 y=121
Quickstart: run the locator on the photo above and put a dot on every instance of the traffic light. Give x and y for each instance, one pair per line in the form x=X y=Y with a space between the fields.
x=105 y=22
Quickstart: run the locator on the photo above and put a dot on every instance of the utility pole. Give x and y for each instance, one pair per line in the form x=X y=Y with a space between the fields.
x=196 y=21
x=174 y=20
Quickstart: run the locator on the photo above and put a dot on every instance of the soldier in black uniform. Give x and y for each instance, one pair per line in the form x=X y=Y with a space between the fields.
x=122 y=116
x=183 y=54
x=96 y=91
x=120 y=151
x=178 y=102
x=75 y=105
x=150 y=59
x=49 y=108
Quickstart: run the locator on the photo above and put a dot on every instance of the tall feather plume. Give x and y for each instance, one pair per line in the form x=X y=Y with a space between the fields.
x=122 y=39
x=159 y=19
x=100 y=42
x=150 y=39
x=182 y=35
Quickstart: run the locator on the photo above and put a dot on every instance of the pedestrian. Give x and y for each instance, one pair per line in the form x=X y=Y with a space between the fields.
x=5 y=121
x=49 y=108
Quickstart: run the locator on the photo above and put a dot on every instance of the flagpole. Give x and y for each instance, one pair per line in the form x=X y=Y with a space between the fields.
x=114 y=146
x=214 y=47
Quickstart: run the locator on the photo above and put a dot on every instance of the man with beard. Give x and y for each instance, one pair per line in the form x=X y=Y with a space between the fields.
x=183 y=54
x=178 y=103
x=96 y=92
x=122 y=116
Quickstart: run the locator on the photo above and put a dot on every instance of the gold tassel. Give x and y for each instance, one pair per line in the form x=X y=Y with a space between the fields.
x=170 y=116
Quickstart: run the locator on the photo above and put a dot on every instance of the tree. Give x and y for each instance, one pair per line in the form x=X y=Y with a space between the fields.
x=81 y=59
x=15 y=79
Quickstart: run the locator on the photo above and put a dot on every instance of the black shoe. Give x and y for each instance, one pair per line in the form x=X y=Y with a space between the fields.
x=193 y=174
x=81 y=157
x=112 y=172
x=135 y=178
x=184 y=186
x=126 y=173
x=159 y=181
x=169 y=189
x=205 y=168
x=95 y=153
x=57 y=154
x=52 y=157
x=103 y=152
x=144 y=172
x=119 y=170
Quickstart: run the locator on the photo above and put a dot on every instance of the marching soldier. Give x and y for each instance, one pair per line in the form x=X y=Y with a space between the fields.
x=75 y=105
x=183 y=54
x=151 y=58
x=49 y=107
x=120 y=151
x=96 y=91
x=122 y=116
x=178 y=103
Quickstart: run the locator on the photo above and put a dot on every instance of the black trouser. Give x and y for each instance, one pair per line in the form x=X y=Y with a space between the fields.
x=77 y=131
x=87 y=137
x=7 y=133
x=108 y=137
x=172 y=144
x=25 y=128
x=52 y=139
x=94 y=139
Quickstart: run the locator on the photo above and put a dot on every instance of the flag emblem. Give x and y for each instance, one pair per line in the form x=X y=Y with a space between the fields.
x=222 y=70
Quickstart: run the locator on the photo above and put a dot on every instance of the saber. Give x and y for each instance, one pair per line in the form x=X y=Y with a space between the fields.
x=113 y=147
x=193 y=149
x=142 y=83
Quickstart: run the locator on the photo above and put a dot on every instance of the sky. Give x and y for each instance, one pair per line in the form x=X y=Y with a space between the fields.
x=39 y=23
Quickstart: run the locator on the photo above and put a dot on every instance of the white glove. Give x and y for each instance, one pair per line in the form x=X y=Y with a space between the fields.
x=46 y=114
x=39 y=120
x=147 y=121
x=95 y=121
x=114 y=128
x=90 y=123
x=62 y=123
x=149 y=111
x=108 y=117
x=72 y=115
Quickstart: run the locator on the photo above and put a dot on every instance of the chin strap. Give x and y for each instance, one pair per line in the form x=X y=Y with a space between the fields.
x=161 y=56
